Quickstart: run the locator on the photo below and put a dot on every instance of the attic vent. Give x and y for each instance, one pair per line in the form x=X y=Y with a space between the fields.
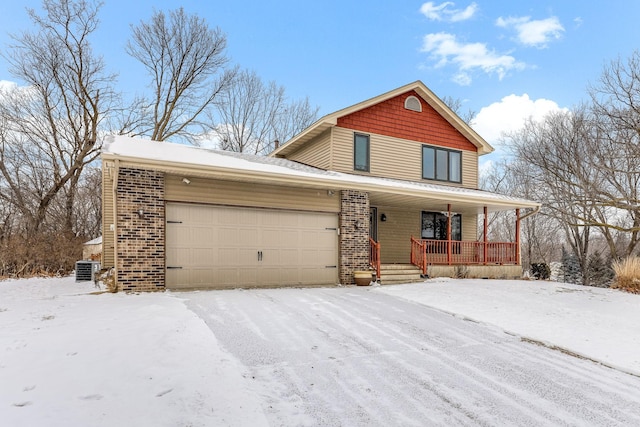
x=412 y=103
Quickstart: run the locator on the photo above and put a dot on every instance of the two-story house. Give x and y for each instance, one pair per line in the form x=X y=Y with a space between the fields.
x=389 y=184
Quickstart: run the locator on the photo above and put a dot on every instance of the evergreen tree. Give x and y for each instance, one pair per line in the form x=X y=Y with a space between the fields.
x=571 y=268
x=599 y=270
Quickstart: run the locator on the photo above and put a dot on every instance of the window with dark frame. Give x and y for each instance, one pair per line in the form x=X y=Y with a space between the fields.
x=434 y=226
x=361 y=152
x=441 y=164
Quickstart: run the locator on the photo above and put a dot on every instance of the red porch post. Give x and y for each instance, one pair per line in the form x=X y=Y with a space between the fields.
x=517 y=237
x=449 y=234
x=486 y=228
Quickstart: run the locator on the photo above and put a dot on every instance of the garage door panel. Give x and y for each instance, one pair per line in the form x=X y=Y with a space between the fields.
x=178 y=278
x=218 y=247
x=324 y=240
x=201 y=215
x=227 y=275
x=247 y=276
x=200 y=236
x=228 y=256
x=289 y=257
x=245 y=217
x=270 y=237
x=202 y=256
x=243 y=236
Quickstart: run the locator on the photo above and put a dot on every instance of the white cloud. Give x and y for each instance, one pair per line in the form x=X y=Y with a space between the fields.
x=462 y=78
x=445 y=49
x=509 y=114
x=445 y=11
x=536 y=33
x=7 y=85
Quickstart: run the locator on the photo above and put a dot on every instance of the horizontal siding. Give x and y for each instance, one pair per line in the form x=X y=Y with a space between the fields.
x=470 y=169
x=230 y=193
x=469 y=228
x=315 y=153
x=395 y=158
x=395 y=234
x=107 y=216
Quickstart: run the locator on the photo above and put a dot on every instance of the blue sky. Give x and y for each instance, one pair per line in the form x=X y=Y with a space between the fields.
x=505 y=59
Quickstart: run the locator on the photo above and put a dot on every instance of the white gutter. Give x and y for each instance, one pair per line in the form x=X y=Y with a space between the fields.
x=114 y=189
x=535 y=211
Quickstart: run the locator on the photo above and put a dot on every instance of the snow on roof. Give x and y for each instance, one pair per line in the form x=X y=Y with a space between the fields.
x=96 y=241
x=147 y=151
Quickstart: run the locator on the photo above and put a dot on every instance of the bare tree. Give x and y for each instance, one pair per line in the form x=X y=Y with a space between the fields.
x=561 y=151
x=616 y=110
x=50 y=129
x=185 y=60
x=455 y=104
x=293 y=119
x=252 y=115
x=539 y=238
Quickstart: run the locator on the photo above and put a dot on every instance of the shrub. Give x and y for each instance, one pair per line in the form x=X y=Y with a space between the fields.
x=45 y=254
x=540 y=271
x=461 y=271
x=627 y=273
x=599 y=272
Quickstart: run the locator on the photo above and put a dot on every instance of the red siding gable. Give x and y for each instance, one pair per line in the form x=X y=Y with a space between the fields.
x=390 y=118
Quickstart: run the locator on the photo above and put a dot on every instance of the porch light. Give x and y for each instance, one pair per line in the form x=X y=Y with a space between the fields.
x=140 y=214
x=383 y=217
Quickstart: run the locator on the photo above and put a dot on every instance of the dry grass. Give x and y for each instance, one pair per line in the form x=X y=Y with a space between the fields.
x=46 y=254
x=627 y=274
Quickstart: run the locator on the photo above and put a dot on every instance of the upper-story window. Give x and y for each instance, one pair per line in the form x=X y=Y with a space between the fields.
x=361 y=152
x=412 y=103
x=441 y=164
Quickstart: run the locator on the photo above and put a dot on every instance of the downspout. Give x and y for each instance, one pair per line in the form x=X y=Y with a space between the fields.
x=115 y=223
x=533 y=212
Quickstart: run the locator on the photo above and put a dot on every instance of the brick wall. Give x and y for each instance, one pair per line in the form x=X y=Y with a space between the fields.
x=392 y=119
x=354 y=234
x=140 y=245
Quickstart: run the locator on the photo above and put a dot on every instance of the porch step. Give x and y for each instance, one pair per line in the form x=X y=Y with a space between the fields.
x=399 y=273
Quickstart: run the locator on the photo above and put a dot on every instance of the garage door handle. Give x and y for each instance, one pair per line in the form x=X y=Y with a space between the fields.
x=259 y=255
x=174 y=268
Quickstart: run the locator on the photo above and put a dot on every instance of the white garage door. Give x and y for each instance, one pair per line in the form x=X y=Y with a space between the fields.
x=222 y=247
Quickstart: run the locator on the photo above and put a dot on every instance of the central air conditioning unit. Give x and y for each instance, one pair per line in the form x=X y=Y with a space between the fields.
x=87 y=271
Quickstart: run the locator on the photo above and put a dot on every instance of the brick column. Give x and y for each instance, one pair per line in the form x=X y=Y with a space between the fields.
x=354 y=234
x=141 y=230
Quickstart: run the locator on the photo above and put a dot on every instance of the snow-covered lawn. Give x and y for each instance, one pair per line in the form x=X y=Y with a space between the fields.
x=600 y=324
x=68 y=358
x=320 y=356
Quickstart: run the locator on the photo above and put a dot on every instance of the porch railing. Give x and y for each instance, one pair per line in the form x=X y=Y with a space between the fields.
x=444 y=252
x=418 y=255
x=374 y=256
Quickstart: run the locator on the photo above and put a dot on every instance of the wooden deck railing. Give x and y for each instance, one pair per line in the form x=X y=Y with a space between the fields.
x=374 y=256
x=418 y=253
x=443 y=252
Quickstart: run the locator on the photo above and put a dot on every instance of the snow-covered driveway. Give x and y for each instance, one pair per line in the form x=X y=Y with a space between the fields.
x=354 y=356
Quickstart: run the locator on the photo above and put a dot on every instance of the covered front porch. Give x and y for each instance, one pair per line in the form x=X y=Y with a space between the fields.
x=444 y=238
